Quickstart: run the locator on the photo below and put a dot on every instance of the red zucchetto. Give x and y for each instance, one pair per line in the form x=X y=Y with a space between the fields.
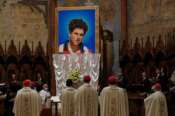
x=27 y=83
x=87 y=78
x=156 y=86
x=112 y=80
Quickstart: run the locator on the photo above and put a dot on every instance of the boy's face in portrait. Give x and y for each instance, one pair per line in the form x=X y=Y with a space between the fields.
x=76 y=36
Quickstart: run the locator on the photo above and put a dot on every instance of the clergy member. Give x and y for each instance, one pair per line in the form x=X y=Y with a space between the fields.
x=45 y=94
x=113 y=99
x=86 y=99
x=68 y=100
x=27 y=101
x=155 y=104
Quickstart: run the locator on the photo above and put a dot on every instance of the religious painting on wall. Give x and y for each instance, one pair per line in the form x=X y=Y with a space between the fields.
x=77 y=29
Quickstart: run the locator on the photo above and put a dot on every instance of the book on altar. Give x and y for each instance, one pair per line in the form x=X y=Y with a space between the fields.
x=55 y=99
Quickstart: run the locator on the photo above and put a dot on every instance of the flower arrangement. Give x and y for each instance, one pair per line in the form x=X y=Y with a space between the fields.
x=74 y=74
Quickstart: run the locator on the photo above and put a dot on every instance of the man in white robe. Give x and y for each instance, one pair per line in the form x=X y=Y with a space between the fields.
x=155 y=104
x=172 y=78
x=113 y=99
x=27 y=101
x=45 y=94
x=68 y=100
x=86 y=99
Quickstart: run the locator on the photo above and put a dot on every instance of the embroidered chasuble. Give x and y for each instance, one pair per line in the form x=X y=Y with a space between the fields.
x=114 y=101
x=86 y=101
x=156 y=105
x=27 y=103
x=68 y=102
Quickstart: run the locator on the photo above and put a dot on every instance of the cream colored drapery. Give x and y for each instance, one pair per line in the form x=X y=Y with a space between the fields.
x=88 y=64
x=156 y=105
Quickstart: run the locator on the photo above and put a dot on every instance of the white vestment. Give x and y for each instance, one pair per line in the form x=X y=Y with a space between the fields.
x=61 y=49
x=172 y=78
x=86 y=101
x=68 y=102
x=27 y=103
x=114 y=101
x=155 y=105
x=44 y=95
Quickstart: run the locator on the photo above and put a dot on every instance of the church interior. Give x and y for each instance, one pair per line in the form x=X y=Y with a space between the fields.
x=136 y=42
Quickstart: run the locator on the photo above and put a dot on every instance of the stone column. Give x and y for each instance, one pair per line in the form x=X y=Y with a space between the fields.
x=110 y=19
x=120 y=32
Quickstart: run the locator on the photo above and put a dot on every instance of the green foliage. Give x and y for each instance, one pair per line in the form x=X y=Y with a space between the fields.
x=74 y=74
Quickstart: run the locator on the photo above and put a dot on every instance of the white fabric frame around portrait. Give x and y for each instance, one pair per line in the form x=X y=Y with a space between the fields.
x=88 y=64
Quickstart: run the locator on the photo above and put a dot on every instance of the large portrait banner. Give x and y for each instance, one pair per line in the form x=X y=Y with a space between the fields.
x=77 y=29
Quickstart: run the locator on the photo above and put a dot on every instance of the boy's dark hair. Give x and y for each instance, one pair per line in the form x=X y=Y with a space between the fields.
x=78 y=23
x=69 y=83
